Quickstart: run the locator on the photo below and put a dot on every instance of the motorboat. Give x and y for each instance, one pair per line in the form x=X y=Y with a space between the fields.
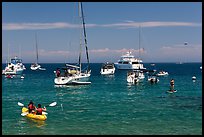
x=35 y=66
x=129 y=62
x=162 y=73
x=107 y=69
x=14 y=67
x=135 y=76
x=152 y=78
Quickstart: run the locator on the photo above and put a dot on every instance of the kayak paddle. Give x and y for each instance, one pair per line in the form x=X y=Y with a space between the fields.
x=52 y=104
x=20 y=104
x=24 y=114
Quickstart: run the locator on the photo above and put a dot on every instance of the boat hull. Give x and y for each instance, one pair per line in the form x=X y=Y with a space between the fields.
x=73 y=80
x=129 y=66
x=107 y=71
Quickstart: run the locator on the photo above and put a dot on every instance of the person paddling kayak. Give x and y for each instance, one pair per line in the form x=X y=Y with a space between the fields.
x=31 y=107
x=39 y=110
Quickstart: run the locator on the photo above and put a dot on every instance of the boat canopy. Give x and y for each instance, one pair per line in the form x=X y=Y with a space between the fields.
x=15 y=61
x=72 y=66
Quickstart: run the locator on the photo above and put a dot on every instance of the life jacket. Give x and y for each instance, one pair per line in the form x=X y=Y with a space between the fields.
x=39 y=111
x=30 y=108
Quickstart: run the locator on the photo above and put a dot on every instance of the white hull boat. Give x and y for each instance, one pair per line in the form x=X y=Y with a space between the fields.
x=135 y=77
x=73 y=74
x=129 y=62
x=107 y=69
x=36 y=66
x=15 y=67
x=162 y=73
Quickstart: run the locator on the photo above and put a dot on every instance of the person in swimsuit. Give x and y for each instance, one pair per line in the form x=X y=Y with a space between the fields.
x=172 y=85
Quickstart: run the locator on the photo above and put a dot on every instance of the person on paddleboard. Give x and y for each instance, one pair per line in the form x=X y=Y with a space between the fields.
x=39 y=110
x=31 y=107
x=172 y=85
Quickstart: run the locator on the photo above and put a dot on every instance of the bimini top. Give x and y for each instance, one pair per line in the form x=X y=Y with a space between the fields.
x=71 y=66
x=16 y=60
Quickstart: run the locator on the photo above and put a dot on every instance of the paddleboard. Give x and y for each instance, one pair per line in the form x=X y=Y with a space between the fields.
x=170 y=91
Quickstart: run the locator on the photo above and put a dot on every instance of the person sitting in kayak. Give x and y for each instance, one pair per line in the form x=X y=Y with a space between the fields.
x=31 y=107
x=39 y=110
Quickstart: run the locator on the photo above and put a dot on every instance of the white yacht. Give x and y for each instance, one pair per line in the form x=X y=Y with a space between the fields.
x=107 y=69
x=14 y=67
x=128 y=61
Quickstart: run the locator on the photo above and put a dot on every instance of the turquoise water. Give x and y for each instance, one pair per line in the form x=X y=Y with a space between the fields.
x=108 y=106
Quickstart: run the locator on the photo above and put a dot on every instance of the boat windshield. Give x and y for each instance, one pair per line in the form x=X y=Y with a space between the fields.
x=15 y=61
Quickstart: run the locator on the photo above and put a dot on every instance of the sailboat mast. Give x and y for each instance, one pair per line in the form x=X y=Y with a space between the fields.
x=8 y=54
x=36 y=47
x=83 y=23
x=139 y=42
x=80 y=50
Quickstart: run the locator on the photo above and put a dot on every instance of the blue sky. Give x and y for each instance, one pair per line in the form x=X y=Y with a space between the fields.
x=112 y=29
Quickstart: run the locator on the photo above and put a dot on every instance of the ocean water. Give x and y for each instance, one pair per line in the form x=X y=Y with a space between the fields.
x=109 y=106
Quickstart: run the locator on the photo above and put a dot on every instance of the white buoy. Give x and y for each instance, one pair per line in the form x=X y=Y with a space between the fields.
x=193 y=78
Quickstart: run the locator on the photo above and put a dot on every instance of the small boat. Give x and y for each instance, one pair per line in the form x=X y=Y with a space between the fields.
x=153 y=78
x=135 y=76
x=36 y=66
x=33 y=115
x=107 y=68
x=14 y=67
x=162 y=73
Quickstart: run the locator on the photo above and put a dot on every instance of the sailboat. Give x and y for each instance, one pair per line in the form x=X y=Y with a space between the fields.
x=36 y=66
x=73 y=74
x=136 y=75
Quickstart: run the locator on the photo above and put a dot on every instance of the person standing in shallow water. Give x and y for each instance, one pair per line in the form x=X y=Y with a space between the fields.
x=172 y=85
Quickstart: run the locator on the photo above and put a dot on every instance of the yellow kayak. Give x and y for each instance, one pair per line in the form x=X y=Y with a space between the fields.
x=34 y=116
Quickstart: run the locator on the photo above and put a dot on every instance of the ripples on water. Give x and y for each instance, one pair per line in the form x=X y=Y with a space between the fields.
x=108 y=106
